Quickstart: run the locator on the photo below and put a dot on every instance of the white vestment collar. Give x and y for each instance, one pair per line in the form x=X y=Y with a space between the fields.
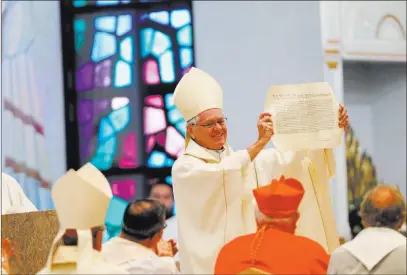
x=195 y=150
x=372 y=244
x=125 y=250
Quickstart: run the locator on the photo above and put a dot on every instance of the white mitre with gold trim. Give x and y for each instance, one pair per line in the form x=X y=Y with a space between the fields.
x=195 y=93
x=81 y=201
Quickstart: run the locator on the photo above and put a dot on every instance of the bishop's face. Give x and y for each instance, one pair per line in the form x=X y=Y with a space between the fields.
x=210 y=131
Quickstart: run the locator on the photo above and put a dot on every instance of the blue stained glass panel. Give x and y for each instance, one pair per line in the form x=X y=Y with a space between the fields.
x=107 y=2
x=126 y=49
x=79 y=3
x=102 y=162
x=79 y=25
x=166 y=62
x=161 y=17
x=169 y=162
x=120 y=118
x=105 y=129
x=115 y=212
x=186 y=57
x=184 y=36
x=122 y=75
x=108 y=146
x=104 y=46
x=146 y=41
x=124 y=24
x=169 y=101
x=157 y=159
x=161 y=43
x=174 y=115
x=180 y=18
x=106 y=23
x=79 y=28
x=181 y=127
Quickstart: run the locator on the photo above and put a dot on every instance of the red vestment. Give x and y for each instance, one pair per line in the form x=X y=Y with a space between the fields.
x=276 y=252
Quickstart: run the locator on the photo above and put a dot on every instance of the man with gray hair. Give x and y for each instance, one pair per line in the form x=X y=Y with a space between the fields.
x=213 y=184
x=379 y=248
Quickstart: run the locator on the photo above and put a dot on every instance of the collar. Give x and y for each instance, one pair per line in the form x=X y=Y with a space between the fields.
x=372 y=244
x=195 y=150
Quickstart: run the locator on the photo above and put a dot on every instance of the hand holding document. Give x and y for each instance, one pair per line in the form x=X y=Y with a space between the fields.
x=305 y=116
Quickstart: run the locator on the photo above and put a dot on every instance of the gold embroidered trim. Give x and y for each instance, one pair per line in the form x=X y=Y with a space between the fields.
x=315 y=181
x=254 y=248
x=226 y=205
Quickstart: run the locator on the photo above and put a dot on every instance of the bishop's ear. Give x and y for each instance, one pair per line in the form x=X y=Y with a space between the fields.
x=190 y=131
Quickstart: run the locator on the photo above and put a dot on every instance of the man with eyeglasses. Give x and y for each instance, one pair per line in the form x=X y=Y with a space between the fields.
x=213 y=185
x=140 y=249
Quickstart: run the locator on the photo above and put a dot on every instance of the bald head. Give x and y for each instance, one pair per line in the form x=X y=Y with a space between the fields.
x=383 y=206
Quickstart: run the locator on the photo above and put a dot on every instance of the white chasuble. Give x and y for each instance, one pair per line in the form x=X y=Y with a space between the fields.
x=313 y=169
x=214 y=200
x=214 y=204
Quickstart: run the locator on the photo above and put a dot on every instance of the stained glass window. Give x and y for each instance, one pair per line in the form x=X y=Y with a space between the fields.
x=105 y=86
x=165 y=54
x=107 y=3
x=124 y=189
x=128 y=62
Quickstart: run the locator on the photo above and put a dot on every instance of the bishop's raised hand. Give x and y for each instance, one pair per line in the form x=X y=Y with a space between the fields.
x=265 y=127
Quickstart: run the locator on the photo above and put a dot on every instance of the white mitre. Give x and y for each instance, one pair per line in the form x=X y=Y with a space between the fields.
x=195 y=93
x=81 y=201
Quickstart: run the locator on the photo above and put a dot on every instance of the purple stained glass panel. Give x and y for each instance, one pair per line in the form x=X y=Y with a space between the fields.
x=103 y=74
x=84 y=77
x=88 y=110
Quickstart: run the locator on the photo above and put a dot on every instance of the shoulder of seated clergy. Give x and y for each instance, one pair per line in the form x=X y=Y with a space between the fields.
x=13 y=199
x=66 y=257
x=373 y=244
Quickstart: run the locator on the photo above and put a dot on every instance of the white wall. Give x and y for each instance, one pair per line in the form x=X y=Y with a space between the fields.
x=249 y=45
x=31 y=34
x=48 y=58
x=375 y=95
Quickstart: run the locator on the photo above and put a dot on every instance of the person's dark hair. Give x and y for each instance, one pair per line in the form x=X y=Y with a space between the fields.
x=391 y=214
x=143 y=219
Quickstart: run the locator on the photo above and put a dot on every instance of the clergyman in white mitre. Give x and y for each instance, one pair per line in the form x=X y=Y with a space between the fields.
x=213 y=184
x=81 y=201
x=13 y=199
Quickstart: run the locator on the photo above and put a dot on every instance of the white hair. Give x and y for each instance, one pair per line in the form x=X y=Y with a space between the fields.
x=262 y=218
x=193 y=120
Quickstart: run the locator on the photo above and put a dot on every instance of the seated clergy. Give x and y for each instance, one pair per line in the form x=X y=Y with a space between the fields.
x=274 y=249
x=140 y=249
x=13 y=199
x=379 y=248
x=81 y=200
